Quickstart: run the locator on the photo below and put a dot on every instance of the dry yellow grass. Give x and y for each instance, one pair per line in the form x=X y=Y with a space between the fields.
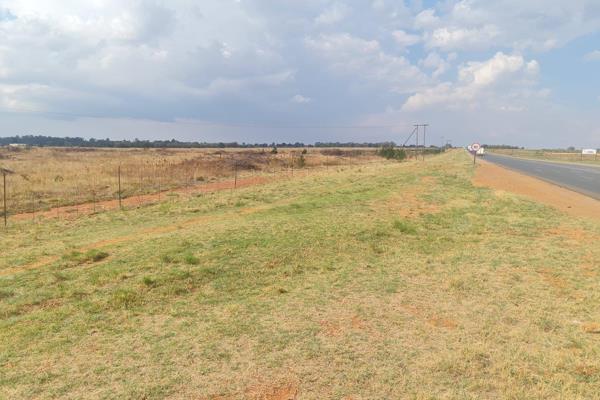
x=51 y=177
x=378 y=281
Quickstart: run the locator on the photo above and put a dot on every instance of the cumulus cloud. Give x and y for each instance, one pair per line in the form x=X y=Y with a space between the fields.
x=366 y=61
x=426 y=19
x=333 y=14
x=299 y=99
x=437 y=63
x=502 y=76
x=592 y=56
x=453 y=38
x=256 y=60
x=404 y=39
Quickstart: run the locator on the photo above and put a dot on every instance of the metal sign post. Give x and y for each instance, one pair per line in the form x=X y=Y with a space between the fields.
x=475 y=148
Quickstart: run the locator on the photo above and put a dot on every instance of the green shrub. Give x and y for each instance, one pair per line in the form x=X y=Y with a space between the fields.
x=149 y=281
x=301 y=161
x=404 y=227
x=191 y=259
x=392 y=153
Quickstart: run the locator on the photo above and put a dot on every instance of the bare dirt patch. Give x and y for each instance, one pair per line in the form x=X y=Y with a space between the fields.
x=285 y=392
x=502 y=179
x=409 y=203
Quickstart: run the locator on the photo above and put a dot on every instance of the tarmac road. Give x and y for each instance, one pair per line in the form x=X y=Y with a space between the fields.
x=580 y=178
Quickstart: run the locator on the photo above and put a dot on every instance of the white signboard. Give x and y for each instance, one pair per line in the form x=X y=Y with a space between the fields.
x=475 y=147
x=589 y=151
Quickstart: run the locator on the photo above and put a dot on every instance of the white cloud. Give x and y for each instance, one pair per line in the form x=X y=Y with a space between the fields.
x=502 y=78
x=189 y=59
x=437 y=63
x=299 y=99
x=538 y=25
x=365 y=61
x=426 y=19
x=333 y=14
x=592 y=56
x=405 y=39
x=449 y=39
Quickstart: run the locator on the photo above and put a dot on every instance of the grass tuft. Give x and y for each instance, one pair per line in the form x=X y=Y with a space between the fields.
x=90 y=256
x=125 y=299
x=404 y=227
x=191 y=259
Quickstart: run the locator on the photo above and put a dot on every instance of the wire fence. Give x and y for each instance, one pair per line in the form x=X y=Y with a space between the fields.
x=127 y=185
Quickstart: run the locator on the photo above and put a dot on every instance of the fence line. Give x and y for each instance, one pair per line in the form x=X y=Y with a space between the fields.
x=125 y=192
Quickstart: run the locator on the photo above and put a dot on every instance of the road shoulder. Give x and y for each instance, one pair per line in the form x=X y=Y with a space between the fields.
x=505 y=180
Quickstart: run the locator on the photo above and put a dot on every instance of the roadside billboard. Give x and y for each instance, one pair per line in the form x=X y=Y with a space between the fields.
x=589 y=151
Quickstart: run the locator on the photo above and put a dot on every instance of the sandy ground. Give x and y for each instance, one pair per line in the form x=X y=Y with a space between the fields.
x=568 y=201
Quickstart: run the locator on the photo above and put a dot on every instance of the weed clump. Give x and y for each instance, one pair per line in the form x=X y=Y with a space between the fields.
x=90 y=256
x=404 y=227
x=167 y=259
x=125 y=298
x=149 y=281
x=191 y=259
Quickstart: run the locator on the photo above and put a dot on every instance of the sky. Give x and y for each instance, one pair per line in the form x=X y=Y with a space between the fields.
x=501 y=72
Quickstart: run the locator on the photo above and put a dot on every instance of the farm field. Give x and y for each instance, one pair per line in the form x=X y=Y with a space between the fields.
x=566 y=156
x=371 y=281
x=46 y=178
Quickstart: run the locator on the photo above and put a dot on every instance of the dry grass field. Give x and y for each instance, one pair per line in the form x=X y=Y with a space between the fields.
x=52 y=177
x=384 y=280
x=566 y=156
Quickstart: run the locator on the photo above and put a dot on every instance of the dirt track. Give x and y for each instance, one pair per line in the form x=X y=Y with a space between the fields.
x=502 y=179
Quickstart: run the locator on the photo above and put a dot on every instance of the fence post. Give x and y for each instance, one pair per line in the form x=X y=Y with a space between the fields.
x=33 y=206
x=119 y=173
x=235 y=175
x=4 y=196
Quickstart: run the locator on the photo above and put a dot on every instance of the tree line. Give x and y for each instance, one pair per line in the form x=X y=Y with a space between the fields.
x=51 y=141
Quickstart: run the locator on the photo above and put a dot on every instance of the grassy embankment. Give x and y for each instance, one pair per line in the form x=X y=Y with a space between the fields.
x=381 y=281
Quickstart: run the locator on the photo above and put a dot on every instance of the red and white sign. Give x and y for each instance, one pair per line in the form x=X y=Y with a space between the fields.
x=475 y=147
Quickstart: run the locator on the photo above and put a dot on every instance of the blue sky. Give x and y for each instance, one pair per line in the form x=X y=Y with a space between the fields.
x=507 y=71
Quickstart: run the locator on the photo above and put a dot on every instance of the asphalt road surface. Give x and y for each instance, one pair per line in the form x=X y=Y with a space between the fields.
x=580 y=178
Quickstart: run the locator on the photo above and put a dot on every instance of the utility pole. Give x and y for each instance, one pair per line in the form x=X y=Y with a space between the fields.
x=417 y=128
x=424 y=139
x=417 y=145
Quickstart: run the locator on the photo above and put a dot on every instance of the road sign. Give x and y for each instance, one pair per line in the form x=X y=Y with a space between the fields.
x=474 y=148
x=589 y=151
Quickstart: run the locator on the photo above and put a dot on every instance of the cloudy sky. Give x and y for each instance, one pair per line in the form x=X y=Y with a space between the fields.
x=503 y=71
